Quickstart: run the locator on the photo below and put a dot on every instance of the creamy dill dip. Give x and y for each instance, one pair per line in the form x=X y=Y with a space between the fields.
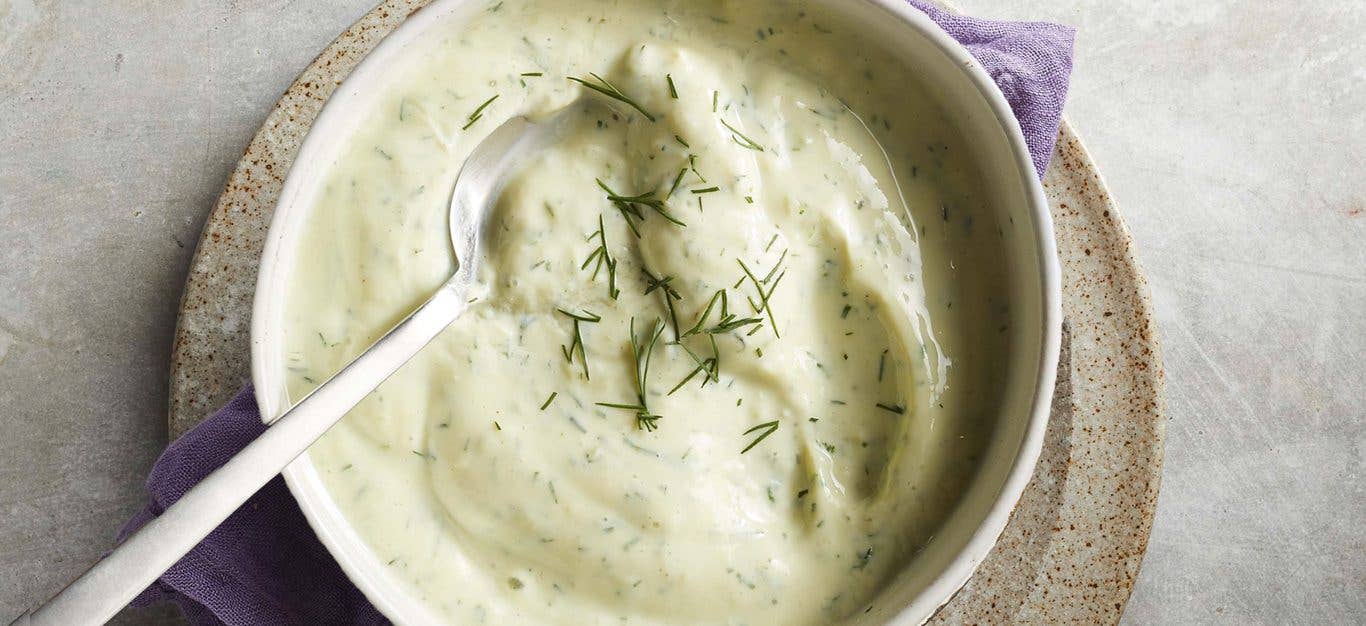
x=739 y=337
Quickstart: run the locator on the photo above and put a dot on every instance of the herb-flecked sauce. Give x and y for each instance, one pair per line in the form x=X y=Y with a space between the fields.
x=731 y=366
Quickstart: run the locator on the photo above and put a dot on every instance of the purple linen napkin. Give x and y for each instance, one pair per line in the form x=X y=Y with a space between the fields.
x=264 y=565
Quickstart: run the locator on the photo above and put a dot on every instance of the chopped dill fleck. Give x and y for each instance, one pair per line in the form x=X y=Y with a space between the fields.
x=714 y=96
x=478 y=112
x=881 y=365
x=673 y=91
x=845 y=313
x=749 y=199
x=707 y=190
x=692 y=165
x=740 y=138
x=549 y=399
x=533 y=74
x=611 y=91
x=894 y=408
x=677 y=179
x=681 y=141
x=863 y=559
x=767 y=429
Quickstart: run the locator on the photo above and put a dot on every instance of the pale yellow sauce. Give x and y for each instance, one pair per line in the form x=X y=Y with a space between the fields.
x=877 y=355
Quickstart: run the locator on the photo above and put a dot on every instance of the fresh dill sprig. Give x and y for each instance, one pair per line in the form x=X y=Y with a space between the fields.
x=781 y=257
x=726 y=321
x=709 y=366
x=576 y=343
x=740 y=138
x=630 y=206
x=670 y=294
x=767 y=429
x=600 y=257
x=641 y=352
x=692 y=165
x=716 y=359
x=673 y=91
x=611 y=91
x=549 y=399
x=479 y=112
x=677 y=180
x=704 y=366
x=765 y=289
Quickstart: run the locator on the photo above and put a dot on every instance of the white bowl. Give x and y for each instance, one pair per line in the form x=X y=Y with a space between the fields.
x=989 y=128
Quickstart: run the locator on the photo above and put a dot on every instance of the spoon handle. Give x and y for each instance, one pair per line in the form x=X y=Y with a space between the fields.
x=113 y=582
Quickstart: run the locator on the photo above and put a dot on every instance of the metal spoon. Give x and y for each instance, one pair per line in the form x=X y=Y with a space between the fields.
x=112 y=583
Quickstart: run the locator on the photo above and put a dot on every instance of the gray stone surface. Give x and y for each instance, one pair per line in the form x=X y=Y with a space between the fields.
x=1233 y=134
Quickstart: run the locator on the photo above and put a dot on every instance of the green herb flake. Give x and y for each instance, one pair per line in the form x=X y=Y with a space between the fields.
x=630 y=206
x=642 y=352
x=741 y=139
x=599 y=257
x=611 y=91
x=893 y=408
x=576 y=343
x=479 y=112
x=765 y=429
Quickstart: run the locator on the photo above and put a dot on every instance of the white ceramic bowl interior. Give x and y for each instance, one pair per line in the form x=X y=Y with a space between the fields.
x=985 y=120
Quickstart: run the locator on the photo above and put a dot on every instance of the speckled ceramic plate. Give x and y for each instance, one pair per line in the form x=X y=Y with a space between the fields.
x=1072 y=549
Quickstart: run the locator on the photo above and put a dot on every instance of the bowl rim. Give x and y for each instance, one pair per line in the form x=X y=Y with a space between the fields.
x=301 y=476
